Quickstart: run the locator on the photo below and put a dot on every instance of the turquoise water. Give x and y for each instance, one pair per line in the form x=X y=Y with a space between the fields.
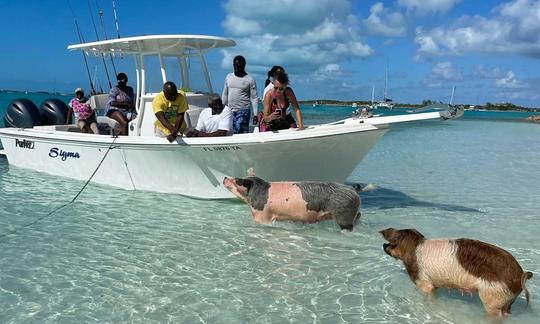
x=121 y=256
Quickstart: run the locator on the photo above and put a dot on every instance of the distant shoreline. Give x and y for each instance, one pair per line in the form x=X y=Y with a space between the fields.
x=488 y=106
x=28 y=92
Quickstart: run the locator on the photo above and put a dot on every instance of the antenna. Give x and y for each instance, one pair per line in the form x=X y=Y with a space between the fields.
x=97 y=36
x=116 y=19
x=81 y=41
x=105 y=33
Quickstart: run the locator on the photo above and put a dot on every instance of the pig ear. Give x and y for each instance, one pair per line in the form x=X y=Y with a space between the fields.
x=248 y=183
x=417 y=233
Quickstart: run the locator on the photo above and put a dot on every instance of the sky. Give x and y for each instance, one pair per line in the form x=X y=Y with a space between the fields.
x=332 y=49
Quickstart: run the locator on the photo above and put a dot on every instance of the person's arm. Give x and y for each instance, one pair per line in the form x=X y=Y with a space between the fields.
x=225 y=94
x=296 y=107
x=160 y=115
x=179 y=122
x=268 y=115
x=69 y=114
x=219 y=132
x=120 y=104
x=254 y=98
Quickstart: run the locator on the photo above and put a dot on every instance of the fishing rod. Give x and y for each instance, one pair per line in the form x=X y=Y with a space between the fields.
x=116 y=19
x=81 y=41
x=97 y=36
x=84 y=56
x=105 y=34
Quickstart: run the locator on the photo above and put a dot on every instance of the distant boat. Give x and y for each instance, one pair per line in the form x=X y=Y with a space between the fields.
x=354 y=105
x=386 y=103
x=315 y=104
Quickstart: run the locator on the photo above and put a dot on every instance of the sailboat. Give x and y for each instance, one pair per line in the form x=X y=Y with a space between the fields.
x=386 y=102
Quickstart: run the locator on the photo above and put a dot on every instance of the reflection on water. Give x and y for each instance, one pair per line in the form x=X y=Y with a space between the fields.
x=131 y=256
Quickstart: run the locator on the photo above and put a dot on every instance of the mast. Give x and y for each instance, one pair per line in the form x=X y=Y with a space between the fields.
x=452 y=96
x=385 y=81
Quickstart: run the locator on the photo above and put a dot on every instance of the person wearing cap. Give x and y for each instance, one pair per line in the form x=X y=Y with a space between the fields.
x=121 y=104
x=169 y=107
x=239 y=93
x=84 y=114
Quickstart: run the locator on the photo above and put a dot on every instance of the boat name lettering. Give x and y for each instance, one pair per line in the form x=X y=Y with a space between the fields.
x=24 y=144
x=56 y=152
x=221 y=148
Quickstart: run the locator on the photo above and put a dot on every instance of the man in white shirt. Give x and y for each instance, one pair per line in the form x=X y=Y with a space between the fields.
x=214 y=121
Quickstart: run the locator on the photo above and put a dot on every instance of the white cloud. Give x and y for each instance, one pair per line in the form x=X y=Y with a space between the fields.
x=383 y=22
x=442 y=72
x=241 y=26
x=480 y=71
x=509 y=81
x=428 y=6
x=301 y=35
x=514 y=29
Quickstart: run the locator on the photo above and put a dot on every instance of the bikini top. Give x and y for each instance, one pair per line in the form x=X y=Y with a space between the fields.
x=275 y=104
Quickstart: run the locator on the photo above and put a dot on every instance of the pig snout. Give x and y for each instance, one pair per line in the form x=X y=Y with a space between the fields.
x=385 y=247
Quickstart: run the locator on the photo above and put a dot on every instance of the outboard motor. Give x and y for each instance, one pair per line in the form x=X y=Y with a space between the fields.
x=53 y=112
x=22 y=113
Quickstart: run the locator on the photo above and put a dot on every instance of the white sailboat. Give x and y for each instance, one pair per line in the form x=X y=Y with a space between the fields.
x=190 y=166
x=386 y=102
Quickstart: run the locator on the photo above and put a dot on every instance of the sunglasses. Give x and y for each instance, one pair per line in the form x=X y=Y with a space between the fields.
x=280 y=89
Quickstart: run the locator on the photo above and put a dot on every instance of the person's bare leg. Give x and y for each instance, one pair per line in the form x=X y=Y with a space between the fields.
x=94 y=128
x=122 y=121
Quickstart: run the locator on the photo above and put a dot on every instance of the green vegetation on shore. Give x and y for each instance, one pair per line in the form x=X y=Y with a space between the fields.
x=488 y=106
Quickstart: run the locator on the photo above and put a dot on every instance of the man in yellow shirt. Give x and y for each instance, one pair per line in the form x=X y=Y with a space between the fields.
x=169 y=107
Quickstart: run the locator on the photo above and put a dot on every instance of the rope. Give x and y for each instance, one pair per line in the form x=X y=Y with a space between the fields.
x=127 y=169
x=66 y=204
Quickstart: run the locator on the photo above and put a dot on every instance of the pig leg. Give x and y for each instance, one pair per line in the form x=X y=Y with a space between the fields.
x=347 y=221
x=492 y=301
x=425 y=286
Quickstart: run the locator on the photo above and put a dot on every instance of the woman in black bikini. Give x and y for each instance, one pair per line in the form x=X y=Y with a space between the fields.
x=276 y=102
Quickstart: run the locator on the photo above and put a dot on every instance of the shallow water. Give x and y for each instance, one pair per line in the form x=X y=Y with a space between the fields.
x=123 y=256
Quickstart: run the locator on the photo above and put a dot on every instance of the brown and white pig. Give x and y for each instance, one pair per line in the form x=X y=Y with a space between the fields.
x=464 y=264
x=307 y=202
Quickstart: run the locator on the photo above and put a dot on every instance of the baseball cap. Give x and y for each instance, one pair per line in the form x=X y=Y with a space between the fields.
x=79 y=90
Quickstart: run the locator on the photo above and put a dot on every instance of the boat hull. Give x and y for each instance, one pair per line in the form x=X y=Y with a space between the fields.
x=191 y=167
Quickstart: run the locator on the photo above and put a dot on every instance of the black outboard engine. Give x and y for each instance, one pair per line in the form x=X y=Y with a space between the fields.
x=22 y=113
x=53 y=112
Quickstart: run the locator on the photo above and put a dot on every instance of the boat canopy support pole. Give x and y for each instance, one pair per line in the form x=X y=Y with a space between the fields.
x=184 y=71
x=142 y=89
x=138 y=76
x=162 y=67
x=206 y=75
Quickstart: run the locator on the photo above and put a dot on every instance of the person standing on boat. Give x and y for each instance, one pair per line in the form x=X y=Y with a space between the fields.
x=85 y=115
x=214 y=121
x=276 y=103
x=121 y=104
x=268 y=83
x=169 y=107
x=239 y=92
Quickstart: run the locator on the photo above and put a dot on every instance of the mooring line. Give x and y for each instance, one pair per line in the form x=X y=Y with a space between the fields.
x=72 y=200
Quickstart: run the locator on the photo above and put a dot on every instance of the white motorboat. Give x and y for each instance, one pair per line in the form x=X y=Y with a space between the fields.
x=191 y=166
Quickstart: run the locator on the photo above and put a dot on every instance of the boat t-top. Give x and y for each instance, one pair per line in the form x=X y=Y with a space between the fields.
x=189 y=166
